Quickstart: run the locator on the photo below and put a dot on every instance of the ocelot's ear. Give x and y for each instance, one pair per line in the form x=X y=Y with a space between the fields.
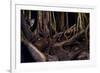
x=32 y=21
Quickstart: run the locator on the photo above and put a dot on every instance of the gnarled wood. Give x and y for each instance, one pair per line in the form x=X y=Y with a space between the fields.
x=36 y=54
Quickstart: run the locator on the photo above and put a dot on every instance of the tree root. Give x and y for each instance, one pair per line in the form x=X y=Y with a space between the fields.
x=36 y=54
x=73 y=38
